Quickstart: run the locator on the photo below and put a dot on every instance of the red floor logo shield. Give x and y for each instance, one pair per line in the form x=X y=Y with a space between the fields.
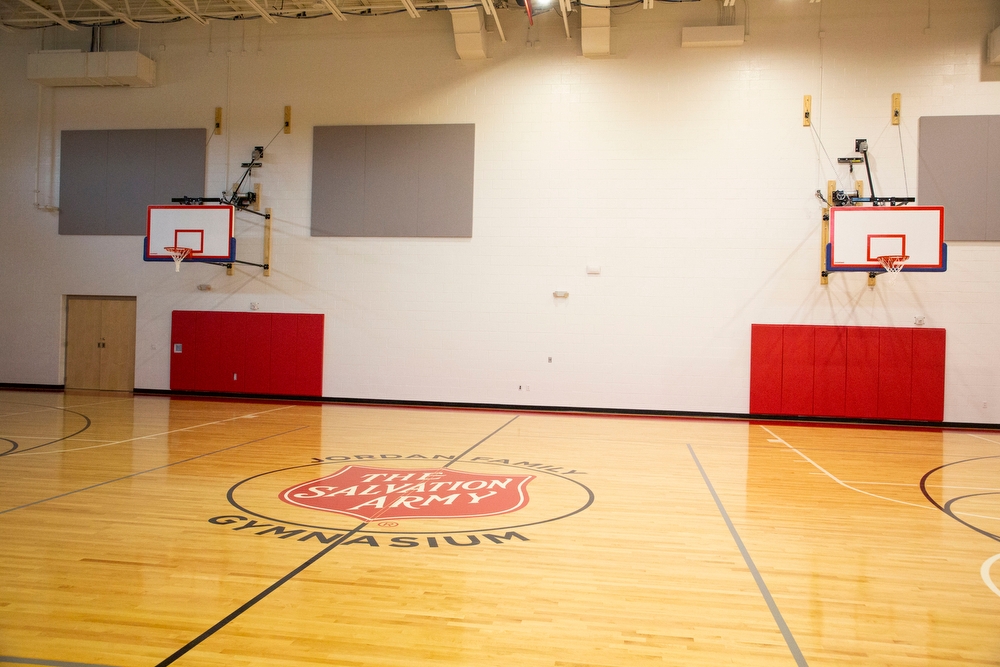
x=370 y=493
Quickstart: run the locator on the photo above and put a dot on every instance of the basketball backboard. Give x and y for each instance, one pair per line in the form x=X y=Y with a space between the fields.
x=206 y=229
x=859 y=235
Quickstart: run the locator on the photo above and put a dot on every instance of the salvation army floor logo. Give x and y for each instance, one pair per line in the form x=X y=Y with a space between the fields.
x=370 y=493
x=402 y=495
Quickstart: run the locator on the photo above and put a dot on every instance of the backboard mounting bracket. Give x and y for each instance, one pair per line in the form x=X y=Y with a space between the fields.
x=246 y=202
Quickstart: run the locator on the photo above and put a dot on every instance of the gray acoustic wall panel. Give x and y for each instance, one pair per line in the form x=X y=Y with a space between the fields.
x=993 y=181
x=393 y=180
x=960 y=169
x=107 y=178
x=83 y=181
x=338 y=181
x=131 y=172
x=445 y=203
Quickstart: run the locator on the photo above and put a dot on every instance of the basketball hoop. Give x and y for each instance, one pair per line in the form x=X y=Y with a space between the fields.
x=892 y=264
x=179 y=254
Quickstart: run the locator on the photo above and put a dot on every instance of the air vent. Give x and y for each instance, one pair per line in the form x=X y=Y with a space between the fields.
x=80 y=68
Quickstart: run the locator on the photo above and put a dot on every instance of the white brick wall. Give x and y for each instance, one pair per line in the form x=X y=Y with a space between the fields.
x=685 y=174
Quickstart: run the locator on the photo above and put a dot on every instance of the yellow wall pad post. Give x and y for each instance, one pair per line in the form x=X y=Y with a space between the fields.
x=824 y=277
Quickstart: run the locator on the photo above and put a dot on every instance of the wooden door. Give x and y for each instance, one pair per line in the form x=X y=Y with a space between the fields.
x=100 y=343
x=83 y=336
x=118 y=344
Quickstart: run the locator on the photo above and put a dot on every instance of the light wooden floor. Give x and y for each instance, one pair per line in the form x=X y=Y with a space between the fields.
x=148 y=530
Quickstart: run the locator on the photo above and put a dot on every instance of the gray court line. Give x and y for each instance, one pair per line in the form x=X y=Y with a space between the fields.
x=455 y=460
x=173 y=657
x=785 y=632
x=143 y=472
x=48 y=663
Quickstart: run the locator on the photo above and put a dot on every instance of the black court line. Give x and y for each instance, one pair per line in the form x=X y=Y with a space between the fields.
x=51 y=442
x=785 y=632
x=143 y=472
x=13 y=446
x=448 y=464
x=951 y=512
x=47 y=663
x=288 y=577
x=254 y=600
x=946 y=508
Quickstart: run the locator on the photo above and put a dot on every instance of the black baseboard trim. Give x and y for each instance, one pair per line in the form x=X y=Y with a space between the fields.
x=556 y=409
x=218 y=396
x=19 y=386
x=560 y=409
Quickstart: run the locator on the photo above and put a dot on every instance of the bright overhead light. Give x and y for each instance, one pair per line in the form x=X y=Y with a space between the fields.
x=541 y=3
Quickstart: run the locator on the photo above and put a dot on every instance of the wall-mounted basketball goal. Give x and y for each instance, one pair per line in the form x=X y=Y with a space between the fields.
x=192 y=233
x=195 y=233
x=886 y=239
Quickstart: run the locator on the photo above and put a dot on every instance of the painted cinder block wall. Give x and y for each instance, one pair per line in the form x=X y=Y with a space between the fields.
x=685 y=174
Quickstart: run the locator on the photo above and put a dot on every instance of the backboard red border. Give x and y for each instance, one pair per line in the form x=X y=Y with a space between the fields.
x=942 y=258
x=193 y=257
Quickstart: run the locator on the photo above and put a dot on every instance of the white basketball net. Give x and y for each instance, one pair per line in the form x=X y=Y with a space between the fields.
x=893 y=264
x=179 y=254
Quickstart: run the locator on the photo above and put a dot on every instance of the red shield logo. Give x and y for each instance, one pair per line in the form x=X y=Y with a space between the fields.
x=371 y=494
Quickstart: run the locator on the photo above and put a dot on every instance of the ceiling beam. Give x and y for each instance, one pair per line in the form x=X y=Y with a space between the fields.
x=565 y=6
x=180 y=6
x=172 y=11
x=410 y=9
x=44 y=12
x=260 y=10
x=118 y=15
x=491 y=11
x=337 y=14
